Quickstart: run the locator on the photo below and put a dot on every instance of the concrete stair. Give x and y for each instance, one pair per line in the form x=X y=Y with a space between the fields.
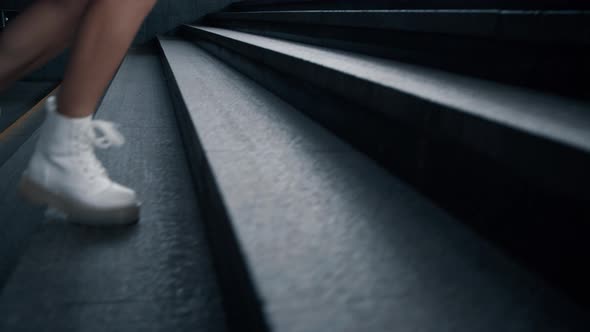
x=541 y=49
x=309 y=234
x=494 y=155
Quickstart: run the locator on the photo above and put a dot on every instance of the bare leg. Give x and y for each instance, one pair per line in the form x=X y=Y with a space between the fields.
x=27 y=67
x=105 y=35
x=64 y=172
x=36 y=36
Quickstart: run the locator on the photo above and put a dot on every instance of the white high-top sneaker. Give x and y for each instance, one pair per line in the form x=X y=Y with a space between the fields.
x=65 y=174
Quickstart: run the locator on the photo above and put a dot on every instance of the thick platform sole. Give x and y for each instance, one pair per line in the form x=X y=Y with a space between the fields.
x=76 y=212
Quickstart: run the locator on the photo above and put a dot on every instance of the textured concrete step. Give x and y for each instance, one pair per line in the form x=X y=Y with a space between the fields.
x=513 y=126
x=311 y=235
x=155 y=276
x=510 y=162
x=537 y=49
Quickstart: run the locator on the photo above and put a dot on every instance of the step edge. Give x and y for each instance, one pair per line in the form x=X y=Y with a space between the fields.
x=208 y=191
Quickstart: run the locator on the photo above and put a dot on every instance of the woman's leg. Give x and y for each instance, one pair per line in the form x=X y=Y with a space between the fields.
x=36 y=36
x=64 y=172
x=105 y=35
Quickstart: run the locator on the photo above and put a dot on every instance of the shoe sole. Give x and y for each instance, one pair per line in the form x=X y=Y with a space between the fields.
x=76 y=212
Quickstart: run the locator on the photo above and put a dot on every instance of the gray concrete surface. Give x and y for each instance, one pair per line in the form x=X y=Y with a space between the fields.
x=383 y=85
x=516 y=127
x=330 y=241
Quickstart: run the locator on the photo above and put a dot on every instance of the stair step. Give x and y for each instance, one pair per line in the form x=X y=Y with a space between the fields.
x=155 y=276
x=310 y=235
x=553 y=27
x=537 y=49
x=550 y=130
x=505 y=160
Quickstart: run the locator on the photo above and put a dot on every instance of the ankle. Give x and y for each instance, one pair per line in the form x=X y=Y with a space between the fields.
x=73 y=116
x=69 y=112
x=61 y=114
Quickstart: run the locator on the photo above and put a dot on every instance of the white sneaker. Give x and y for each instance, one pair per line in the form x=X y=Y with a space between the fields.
x=65 y=174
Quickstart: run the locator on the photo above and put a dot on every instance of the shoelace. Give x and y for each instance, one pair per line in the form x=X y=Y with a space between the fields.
x=103 y=135
x=100 y=134
x=111 y=136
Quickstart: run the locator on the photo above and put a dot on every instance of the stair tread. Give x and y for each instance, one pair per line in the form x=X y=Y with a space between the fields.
x=16 y=146
x=332 y=241
x=155 y=276
x=558 y=119
x=18 y=221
